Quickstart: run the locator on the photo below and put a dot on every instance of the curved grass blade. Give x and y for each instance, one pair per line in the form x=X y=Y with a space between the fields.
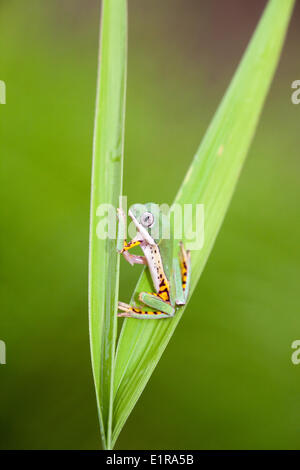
x=106 y=189
x=210 y=180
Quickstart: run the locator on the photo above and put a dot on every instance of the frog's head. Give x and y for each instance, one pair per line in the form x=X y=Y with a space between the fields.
x=149 y=220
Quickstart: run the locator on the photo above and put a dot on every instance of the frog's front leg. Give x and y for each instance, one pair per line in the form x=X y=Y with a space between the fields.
x=123 y=246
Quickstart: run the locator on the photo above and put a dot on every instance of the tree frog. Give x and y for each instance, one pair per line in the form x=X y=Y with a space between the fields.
x=170 y=271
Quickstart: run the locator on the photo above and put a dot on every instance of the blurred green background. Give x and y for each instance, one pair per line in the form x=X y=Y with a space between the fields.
x=226 y=380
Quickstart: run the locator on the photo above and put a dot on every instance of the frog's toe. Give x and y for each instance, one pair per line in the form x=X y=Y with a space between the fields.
x=126 y=310
x=124 y=307
x=124 y=314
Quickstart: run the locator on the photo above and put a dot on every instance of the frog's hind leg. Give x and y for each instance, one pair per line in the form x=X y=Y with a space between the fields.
x=185 y=267
x=157 y=302
x=134 y=312
x=180 y=298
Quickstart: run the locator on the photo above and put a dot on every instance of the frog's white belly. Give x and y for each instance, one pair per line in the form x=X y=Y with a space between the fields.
x=155 y=264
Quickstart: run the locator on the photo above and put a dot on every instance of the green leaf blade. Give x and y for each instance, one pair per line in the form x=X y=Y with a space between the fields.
x=106 y=188
x=210 y=180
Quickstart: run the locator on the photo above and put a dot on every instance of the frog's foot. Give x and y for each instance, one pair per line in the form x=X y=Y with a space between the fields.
x=125 y=309
x=185 y=267
x=134 y=259
x=134 y=312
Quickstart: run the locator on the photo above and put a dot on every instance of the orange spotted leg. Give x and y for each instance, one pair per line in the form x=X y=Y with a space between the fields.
x=185 y=267
x=158 y=302
x=123 y=246
x=134 y=312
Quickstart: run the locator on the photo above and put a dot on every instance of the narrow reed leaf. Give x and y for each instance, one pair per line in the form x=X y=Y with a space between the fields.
x=210 y=180
x=106 y=189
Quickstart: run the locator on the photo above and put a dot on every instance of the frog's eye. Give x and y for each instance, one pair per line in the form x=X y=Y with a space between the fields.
x=147 y=219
